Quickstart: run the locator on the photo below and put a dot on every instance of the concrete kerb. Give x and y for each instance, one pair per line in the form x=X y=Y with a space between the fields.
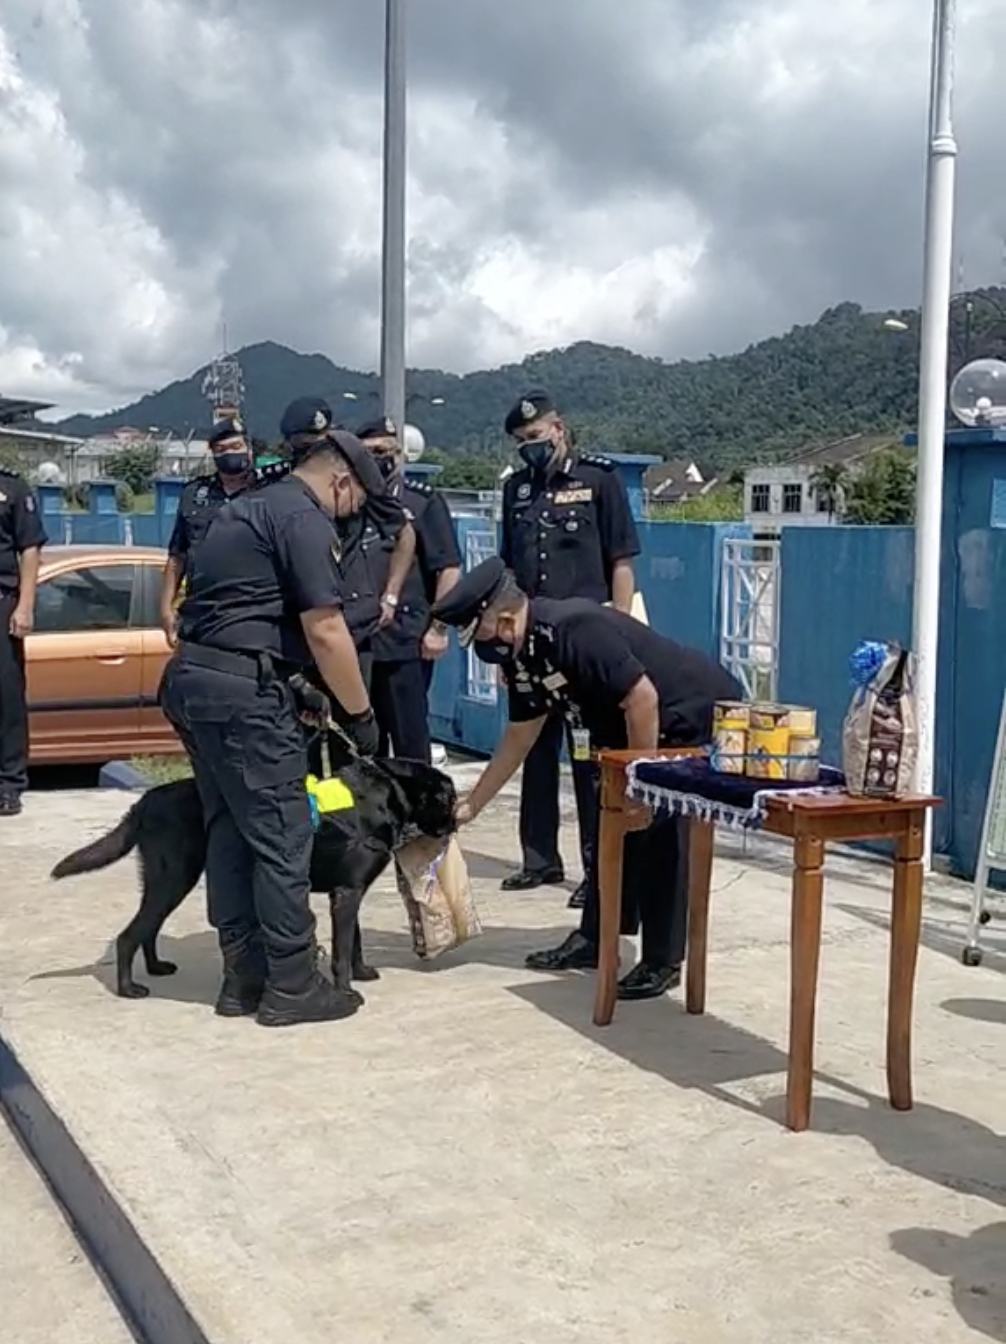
x=149 y=1301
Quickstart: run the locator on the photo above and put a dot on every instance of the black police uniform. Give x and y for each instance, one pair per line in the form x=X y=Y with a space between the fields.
x=562 y=535
x=401 y=675
x=269 y=557
x=20 y=530
x=581 y=660
x=200 y=501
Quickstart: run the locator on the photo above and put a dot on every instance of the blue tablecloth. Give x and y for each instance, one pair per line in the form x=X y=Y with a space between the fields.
x=688 y=787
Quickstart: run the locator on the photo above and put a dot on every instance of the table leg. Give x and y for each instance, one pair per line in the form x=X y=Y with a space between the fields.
x=805 y=954
x=700 y=875
x=611 y=843
x=906 y=928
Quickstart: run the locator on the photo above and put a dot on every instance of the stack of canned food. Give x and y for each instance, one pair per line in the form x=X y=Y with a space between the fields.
x=766 y=741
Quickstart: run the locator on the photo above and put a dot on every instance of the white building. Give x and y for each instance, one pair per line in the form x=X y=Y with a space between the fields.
x=800 y=492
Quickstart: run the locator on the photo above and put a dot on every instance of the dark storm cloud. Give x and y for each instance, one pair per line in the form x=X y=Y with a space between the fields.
x=706 y=174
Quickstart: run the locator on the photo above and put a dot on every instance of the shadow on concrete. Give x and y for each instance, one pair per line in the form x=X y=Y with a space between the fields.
x=979 y=1010
x=494 y=869
x=937 y=938
x=975 y=1266
x=704 y=1053
x=197 y=957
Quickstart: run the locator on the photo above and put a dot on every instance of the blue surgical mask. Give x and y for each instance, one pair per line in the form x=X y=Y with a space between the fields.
x=538 y=454
x=492 y=650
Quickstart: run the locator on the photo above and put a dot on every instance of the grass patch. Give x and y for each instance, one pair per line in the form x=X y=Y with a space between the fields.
x=162 y=769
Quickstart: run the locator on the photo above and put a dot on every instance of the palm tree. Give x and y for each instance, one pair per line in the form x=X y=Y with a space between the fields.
x=828 y=483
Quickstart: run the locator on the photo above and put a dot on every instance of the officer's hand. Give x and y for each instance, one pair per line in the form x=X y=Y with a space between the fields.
x=388 y=610
x=435 y=644
x=313 y=705
x=169 y=624
x=365 y=733
x=22 y=622
x=464 y=812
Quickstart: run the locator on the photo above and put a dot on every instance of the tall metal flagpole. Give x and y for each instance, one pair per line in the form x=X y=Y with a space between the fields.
x=935 y=335
x=393 y=258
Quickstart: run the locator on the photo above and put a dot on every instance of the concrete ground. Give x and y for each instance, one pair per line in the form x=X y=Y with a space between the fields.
x=49 y=1292
x=469 y=1160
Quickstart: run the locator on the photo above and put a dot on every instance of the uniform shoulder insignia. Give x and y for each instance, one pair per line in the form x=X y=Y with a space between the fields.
x=596 y=460
x=422 y=488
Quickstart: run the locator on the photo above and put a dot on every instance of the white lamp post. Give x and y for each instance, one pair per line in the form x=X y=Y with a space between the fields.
x=936 y=285
x=393 y=253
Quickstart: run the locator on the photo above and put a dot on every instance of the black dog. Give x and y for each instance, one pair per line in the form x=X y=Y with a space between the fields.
x=394 y=801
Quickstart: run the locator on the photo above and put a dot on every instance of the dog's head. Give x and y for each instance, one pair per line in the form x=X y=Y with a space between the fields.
x=429 y=793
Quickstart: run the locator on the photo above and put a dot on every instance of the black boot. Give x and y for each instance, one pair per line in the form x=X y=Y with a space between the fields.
x=296 y=991
x=244 y=977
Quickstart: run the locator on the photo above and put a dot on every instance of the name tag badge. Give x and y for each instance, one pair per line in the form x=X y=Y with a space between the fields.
x=581 y=744
x=554 y=681
x=575 y=496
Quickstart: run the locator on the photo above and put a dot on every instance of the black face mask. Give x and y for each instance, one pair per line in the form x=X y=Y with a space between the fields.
x=538 y=455
x=492 y=651
x=387 y=464
x=232 y=464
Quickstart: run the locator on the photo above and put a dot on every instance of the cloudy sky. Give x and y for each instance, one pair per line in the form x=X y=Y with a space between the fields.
x=678 y=176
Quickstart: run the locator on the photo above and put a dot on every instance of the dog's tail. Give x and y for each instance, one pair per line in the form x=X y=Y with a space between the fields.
x=106 y=851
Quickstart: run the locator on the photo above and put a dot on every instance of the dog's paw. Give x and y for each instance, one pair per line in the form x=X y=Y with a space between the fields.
x=133 y=991
x=363 y=972
x=162 y=968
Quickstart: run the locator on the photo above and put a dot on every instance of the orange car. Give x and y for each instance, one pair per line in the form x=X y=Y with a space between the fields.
x=96 y=656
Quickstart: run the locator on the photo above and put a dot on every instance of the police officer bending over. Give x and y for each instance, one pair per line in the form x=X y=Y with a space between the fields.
x=264 y=602
x=405 y=648
x=567 y=531
x=197 y=508
x=619 y=684
x=22 y=537
x=381 y=521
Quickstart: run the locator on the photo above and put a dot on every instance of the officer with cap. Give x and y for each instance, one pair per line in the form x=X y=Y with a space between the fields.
x=22 y=537
x=265 y=602
x=619 y=684
x=197 y=507
x=381 y=521
x=567 y=531
x=405 y=649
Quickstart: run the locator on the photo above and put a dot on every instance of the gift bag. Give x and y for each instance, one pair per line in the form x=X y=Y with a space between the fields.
x=880 y=736
x=434 y=885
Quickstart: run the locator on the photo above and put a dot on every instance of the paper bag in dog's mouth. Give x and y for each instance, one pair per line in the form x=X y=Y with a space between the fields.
x=436 y=890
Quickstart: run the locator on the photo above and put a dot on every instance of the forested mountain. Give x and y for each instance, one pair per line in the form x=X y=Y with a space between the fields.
x=846 y=373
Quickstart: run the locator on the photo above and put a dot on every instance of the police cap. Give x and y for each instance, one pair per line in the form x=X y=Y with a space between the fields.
x=381 y=428
x=464 y=605
x=531 y=407
x=306 y=415
x=362 y=463
x=231 y=428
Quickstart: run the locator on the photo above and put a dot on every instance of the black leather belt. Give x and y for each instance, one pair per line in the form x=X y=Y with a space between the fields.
x=261 y=667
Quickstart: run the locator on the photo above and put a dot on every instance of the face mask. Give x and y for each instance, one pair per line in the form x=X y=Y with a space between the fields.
x=492 y=650
x=538 y=454
x=234 y=463
x=387 y=464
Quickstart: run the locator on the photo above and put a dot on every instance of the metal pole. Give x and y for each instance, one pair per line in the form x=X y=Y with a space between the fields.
x=936 y=285
x=393 y=259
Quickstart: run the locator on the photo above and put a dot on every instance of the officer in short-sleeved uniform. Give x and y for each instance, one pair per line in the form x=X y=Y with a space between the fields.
x=405 y=648
x=198 y=506
x=22 y=537
x=268 y=559
x=381 y=523
x=597 y=667
x=567 y=531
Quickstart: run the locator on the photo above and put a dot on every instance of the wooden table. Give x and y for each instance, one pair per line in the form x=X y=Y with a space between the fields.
x=810 y=822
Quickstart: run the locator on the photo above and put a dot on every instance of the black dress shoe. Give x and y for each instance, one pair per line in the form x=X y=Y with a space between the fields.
x=526 y=879
x=10 y=805
x=579 y=898
x=575 y=954
x=648 y=982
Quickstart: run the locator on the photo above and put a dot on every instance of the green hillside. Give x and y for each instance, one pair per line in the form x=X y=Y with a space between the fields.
x=844 y=374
